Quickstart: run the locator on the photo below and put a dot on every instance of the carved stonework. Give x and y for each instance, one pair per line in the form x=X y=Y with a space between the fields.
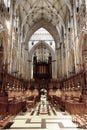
x=85 y=56
x=81 y=17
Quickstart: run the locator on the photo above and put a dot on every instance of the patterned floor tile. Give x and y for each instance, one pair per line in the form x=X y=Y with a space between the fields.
x=56 y=120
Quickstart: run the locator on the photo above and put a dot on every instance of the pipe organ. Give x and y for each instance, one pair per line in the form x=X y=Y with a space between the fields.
x=42 y=69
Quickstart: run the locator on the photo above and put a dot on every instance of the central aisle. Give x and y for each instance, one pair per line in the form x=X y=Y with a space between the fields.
x=51 y=120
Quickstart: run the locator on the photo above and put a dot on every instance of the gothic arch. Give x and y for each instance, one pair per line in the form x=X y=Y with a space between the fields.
x=47 y=46
x=45 y=24
x=54 y=70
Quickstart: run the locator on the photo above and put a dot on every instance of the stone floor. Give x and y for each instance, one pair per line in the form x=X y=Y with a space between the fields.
x=34 y=120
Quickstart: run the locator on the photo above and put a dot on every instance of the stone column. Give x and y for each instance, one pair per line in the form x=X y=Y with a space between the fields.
x=54 y=69
x=11 y=38
x=75 y=42
x=58 y=60
x=86 y=4
x=55 y=64
x=63 y=60
x=31 y=69
x=60 y=63
x=67 y=53
x=28 y=75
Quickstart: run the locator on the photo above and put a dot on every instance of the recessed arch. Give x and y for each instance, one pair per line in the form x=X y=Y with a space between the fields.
x=46 y=25
x=69 y=6
x=47 y=46
x=54 y=72
x=41 y=35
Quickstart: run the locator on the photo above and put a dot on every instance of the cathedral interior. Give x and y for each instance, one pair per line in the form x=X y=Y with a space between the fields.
x=43 y=64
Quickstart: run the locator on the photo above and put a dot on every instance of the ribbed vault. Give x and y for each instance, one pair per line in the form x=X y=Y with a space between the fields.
x=42 y=13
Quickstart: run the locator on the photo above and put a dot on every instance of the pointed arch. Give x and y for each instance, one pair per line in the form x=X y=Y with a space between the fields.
x=54 y=70
x=47 y=46
x=46 y=25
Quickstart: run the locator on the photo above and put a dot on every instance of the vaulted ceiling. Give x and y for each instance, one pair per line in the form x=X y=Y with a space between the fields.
x=34 y=11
